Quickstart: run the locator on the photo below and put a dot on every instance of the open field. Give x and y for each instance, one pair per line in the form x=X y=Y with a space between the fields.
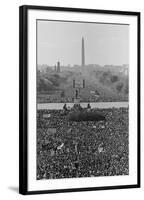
x=94 y=83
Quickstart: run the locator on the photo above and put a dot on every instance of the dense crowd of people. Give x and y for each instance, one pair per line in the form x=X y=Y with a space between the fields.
x=57 y=99
x=67 y=149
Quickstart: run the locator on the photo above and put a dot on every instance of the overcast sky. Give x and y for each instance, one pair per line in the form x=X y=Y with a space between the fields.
x=61 y=41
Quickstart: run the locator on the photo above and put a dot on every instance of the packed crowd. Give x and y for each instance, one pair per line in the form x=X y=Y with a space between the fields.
x=67 y=149
x=102 y=98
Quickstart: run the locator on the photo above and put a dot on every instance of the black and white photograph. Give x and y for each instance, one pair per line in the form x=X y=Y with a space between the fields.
x=82 y=99
x=80 y=73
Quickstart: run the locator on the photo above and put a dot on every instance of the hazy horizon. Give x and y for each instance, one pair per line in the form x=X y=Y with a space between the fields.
x=105 y=44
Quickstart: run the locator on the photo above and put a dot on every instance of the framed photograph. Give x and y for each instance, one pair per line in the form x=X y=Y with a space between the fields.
x=79 y=99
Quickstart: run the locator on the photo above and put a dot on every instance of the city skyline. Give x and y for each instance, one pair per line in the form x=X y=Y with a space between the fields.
x=104 y=44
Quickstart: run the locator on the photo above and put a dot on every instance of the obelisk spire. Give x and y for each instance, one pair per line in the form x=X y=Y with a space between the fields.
x=83 y=53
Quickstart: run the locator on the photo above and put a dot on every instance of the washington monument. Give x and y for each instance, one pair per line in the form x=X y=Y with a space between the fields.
x=83 y=53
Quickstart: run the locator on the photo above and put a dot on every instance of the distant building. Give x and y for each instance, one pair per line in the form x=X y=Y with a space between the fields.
x=58 y=66
x=126 y=69
x=55 y=68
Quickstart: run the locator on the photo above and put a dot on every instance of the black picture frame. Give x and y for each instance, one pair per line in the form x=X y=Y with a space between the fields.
x=23 y=97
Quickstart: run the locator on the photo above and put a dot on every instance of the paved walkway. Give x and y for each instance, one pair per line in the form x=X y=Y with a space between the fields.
x=57 y=106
